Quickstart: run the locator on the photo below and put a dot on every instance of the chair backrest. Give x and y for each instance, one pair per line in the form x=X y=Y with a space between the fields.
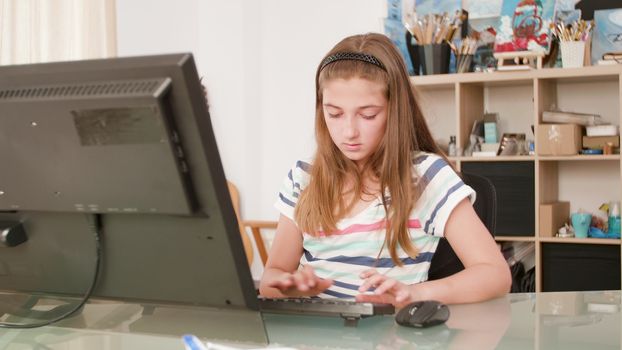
x=486 y=202
x=235 y=200
x=445 y=262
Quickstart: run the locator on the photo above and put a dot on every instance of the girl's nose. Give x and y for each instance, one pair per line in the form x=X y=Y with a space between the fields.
x=351 y=128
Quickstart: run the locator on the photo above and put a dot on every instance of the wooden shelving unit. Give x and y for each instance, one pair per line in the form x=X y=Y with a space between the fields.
x=452 y=102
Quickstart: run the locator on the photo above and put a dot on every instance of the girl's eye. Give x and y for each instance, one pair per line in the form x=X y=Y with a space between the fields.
x=368 y=116
x=337 y=115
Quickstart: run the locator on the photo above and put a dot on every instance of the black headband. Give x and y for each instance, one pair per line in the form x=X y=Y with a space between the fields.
x=352 y=56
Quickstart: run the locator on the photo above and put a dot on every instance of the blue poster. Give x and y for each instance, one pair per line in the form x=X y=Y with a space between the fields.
x=423 y=7
x=483 y=8
x=607 y=36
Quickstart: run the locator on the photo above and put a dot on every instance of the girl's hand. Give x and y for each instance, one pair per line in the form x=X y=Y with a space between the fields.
x=301 y=283
x=387 y=290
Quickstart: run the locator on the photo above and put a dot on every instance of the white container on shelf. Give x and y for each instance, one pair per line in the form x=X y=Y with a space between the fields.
x=572 y=53
x=601 y=130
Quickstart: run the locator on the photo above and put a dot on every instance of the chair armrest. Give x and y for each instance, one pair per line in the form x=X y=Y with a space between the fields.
x=256 y=226
x=260 y=224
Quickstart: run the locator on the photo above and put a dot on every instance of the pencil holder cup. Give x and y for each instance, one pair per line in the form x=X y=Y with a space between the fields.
x=412 y=52
x=572 y=53
x=434 y=58
x=464 y=63
x=581 y=224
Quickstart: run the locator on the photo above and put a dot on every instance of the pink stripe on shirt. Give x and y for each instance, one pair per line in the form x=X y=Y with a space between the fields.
x=356 y=228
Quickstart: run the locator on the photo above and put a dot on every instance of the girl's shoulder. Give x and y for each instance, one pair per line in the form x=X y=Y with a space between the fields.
x=433 y=169
x=300 y=172
x=424 y=160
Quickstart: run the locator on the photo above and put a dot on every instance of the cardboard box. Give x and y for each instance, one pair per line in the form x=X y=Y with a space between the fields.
x=559 y=139
x=598 y=142
x=552 y=217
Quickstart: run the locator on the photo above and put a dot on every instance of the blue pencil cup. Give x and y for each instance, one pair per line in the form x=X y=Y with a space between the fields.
x=581 y=224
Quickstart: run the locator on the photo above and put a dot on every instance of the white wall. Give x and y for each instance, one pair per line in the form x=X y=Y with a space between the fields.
x=259 y=60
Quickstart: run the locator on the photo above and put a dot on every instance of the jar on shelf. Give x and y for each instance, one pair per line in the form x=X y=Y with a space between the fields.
x=452 y=149
x=614 y=218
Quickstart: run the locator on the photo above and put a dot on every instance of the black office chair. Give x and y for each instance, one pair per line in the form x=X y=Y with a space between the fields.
x=445 y=262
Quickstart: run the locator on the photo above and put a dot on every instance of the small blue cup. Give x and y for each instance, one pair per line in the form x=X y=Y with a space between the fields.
x=581 y=224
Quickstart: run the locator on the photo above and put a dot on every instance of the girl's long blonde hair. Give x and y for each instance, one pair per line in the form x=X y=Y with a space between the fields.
x=321 y=204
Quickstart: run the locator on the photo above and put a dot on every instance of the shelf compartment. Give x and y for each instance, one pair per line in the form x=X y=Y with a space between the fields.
x=476 y=99
x=587 y=187
x=514 y=184
x=571 y=95
x=578 y=267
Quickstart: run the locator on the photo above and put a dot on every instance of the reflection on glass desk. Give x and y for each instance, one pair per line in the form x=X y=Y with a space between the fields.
x=569 y=320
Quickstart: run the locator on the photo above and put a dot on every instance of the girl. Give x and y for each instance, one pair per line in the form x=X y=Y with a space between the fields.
x=364 y=217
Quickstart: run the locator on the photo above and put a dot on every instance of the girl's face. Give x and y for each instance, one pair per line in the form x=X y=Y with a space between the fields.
x=355 y=112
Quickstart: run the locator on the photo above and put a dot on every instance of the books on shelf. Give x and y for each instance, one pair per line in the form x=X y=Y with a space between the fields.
x=608 y=62
x=613 y=56
x=571 y=118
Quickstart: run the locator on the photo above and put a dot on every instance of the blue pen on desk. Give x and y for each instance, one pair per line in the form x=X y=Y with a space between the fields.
x=192 y=343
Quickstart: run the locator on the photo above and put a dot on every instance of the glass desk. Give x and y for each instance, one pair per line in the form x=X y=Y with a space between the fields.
x=583 y=320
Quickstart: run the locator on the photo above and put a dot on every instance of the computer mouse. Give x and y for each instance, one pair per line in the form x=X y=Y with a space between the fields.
x=421 y=314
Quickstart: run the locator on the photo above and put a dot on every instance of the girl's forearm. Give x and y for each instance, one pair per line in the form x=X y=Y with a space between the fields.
x=477 y=283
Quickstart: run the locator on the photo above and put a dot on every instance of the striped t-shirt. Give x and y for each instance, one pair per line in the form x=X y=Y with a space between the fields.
x=354 y=247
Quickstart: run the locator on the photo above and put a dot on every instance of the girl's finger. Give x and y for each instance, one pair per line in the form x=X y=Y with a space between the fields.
x=402 y=296
x=309 y=276
x=386 y=286
x=383 y=299
x=282 y=283
x=372 y=281
x=367 y=273
x=299 y=281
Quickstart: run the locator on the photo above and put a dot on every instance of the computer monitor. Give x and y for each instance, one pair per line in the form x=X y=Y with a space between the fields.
x=129 y=140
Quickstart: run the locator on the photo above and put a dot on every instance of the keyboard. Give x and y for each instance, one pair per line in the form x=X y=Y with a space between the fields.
x=350 y=310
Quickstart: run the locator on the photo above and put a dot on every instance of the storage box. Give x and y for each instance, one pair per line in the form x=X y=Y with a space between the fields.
x=559 y=139
x=598 y=142
x=552 y=217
